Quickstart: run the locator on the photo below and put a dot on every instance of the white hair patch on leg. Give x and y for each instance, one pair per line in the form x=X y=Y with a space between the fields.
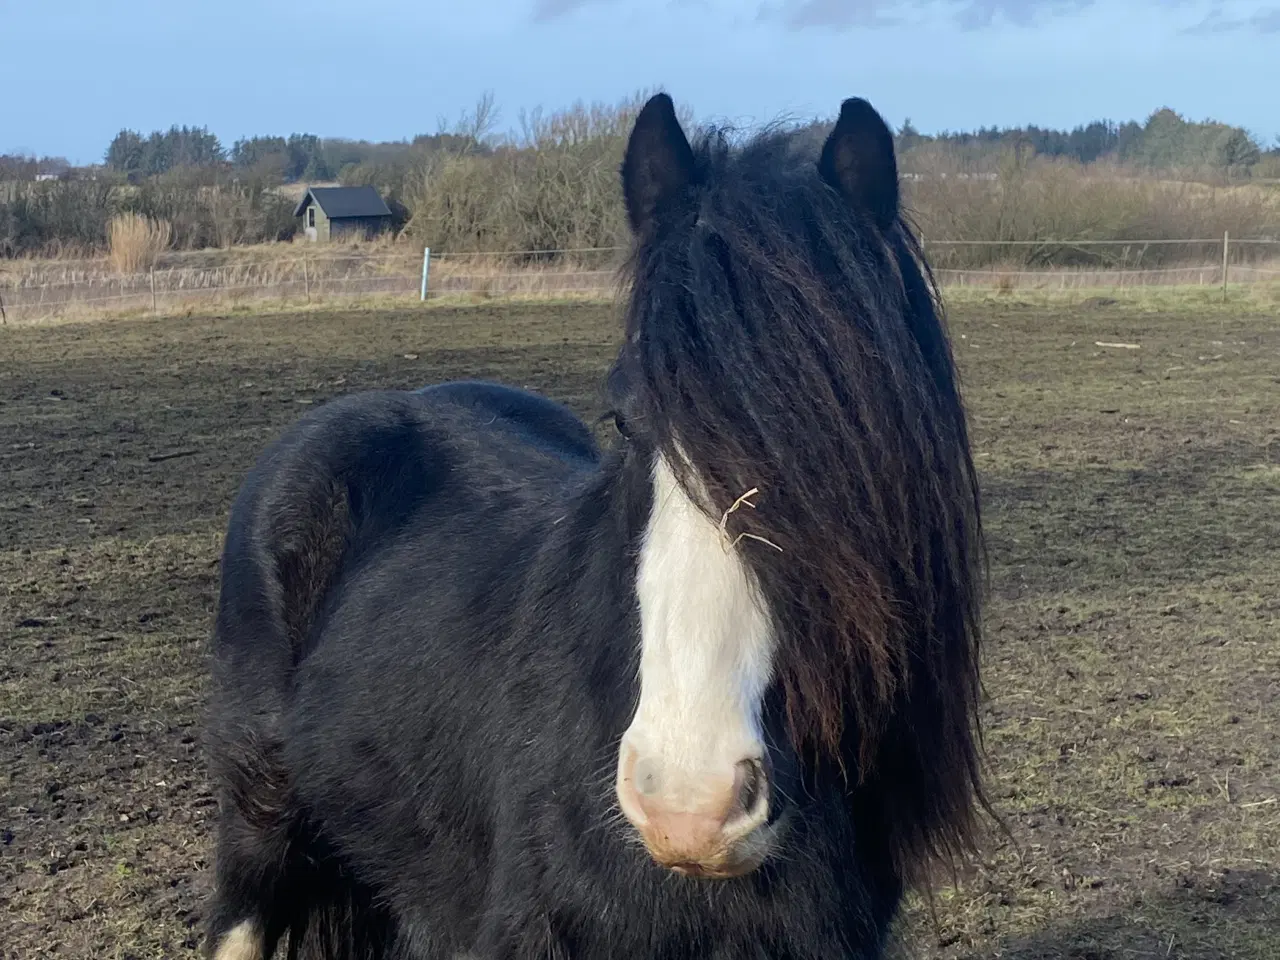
x=242 y=942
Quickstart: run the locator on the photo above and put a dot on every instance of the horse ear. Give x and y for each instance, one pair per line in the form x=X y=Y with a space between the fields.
x=858 y=160
x=658 y=164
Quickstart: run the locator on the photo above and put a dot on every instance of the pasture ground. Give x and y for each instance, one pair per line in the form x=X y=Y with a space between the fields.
x=1132 y=660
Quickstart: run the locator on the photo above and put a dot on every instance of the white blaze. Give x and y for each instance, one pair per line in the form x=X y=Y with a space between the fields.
x=706 y=652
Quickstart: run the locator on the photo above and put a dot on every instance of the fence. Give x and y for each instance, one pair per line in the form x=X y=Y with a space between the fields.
x=1115 y=264
x=34 y=289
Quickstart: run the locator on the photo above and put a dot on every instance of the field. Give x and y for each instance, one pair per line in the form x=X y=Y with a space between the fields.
x=1132 y=656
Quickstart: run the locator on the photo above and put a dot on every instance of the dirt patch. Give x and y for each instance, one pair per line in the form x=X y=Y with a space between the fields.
x=1133 y=502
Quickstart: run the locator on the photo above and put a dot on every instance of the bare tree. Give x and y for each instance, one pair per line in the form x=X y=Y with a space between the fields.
x=474 y=127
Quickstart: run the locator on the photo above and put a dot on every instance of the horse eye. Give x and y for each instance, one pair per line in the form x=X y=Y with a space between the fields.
x=621 y=426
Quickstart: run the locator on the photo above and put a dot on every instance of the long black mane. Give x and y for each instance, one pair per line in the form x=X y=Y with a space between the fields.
x=781 y=340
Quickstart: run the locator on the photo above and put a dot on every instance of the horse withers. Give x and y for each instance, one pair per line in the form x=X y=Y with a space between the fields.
x=482 y=689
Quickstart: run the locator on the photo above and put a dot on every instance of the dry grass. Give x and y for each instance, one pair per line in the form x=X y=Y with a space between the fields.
x=136 y=242
x=302 y=274
x=391 y=282
x=294 y=275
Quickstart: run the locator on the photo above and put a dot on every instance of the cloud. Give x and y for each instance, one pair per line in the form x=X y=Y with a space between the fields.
x=1266 y=20
x=546 y=10
x=968 y=14
x=1220 y=16
x=840 y=14
x=974 y=14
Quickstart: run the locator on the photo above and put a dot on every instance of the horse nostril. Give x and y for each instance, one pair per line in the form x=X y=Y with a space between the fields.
x=749 y=784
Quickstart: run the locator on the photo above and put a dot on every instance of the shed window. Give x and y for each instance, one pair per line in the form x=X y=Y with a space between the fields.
x=311 y=216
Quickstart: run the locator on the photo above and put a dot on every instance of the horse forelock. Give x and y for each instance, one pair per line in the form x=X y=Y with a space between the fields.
x=790 y=361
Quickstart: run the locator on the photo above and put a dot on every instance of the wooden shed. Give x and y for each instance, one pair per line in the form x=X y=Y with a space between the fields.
x=332 y=213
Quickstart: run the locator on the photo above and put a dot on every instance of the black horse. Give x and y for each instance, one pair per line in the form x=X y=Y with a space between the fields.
x=483 y=690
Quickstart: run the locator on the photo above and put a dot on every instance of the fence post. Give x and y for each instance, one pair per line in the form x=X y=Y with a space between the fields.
x=426 y=266
x=153 y=291
x=1226 y=240
x=306 y=279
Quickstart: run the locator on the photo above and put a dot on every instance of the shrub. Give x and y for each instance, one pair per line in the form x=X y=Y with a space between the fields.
x=137 y=241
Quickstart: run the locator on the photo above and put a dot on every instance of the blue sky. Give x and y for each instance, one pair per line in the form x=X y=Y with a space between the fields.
x=387 y=69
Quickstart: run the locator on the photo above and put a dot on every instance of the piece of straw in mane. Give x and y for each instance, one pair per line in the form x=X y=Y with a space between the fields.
x=742 y=501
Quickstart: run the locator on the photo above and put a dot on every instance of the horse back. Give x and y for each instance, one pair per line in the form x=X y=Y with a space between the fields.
x=341 y=483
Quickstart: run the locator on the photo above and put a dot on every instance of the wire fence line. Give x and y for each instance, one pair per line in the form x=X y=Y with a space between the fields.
x=1164 y=241
x=38 y=289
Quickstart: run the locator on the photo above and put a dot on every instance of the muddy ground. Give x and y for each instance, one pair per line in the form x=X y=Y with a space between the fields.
x=1132 y=660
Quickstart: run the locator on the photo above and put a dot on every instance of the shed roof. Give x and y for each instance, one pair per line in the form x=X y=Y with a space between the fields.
x=338 y=202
